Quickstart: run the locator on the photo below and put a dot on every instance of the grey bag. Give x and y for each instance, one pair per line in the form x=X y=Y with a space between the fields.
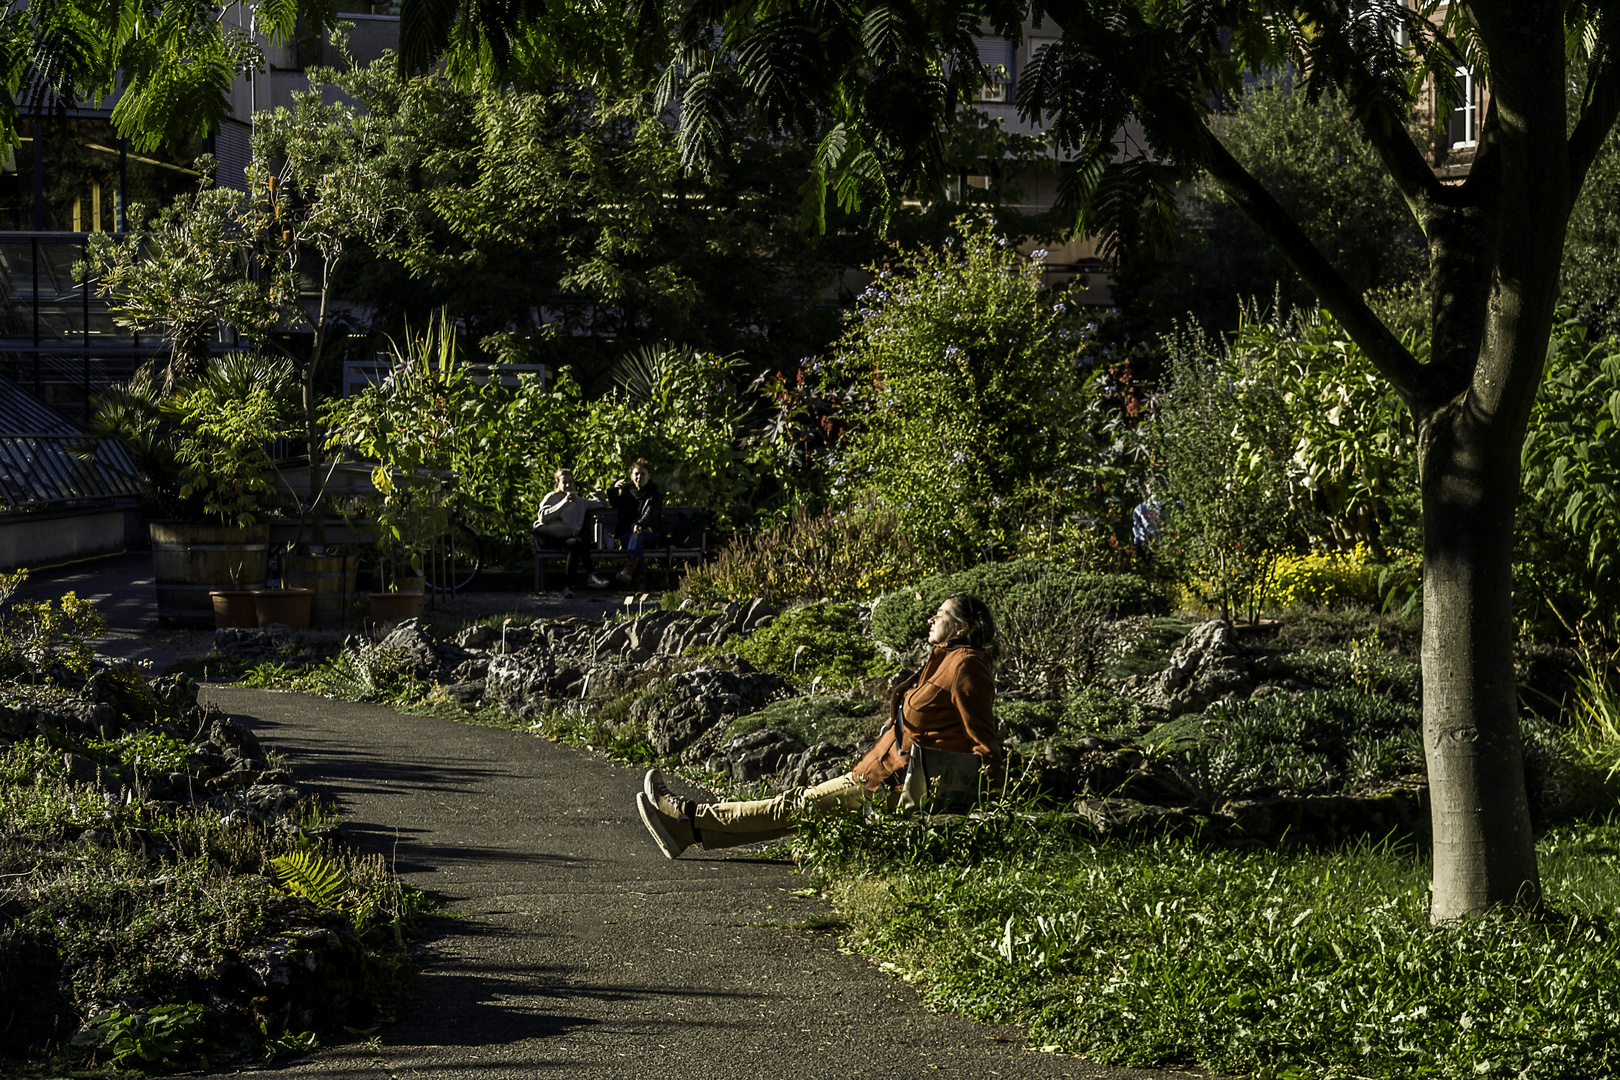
x=940 y=781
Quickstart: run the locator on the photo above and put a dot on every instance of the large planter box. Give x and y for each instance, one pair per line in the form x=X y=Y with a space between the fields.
x=191 y=561
x=330 y=578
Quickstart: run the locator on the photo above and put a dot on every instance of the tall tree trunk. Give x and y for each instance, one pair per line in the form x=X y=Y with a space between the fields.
x=1484 y=853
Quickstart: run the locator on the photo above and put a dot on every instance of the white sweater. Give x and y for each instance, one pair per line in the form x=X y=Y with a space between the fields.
x=557 y=509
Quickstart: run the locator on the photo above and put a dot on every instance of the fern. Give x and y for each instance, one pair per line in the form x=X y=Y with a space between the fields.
x=312 y=877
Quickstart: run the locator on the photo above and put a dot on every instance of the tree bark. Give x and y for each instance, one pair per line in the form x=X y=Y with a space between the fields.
x=1484 y=852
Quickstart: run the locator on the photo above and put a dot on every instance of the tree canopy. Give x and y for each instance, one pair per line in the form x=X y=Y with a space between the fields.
x=167 y=64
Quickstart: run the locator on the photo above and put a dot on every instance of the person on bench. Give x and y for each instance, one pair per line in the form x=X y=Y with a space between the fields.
x=558 y=526
x=640 y=505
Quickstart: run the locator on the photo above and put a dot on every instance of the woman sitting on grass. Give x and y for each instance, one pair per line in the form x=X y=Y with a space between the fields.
x=945 y=706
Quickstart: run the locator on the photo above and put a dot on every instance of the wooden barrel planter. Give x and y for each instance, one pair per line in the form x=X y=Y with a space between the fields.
x=191 y=561
x=234 y=607
x=290 y=607
x=331 y=579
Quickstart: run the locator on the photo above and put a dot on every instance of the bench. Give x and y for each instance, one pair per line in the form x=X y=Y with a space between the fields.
x=685 y=537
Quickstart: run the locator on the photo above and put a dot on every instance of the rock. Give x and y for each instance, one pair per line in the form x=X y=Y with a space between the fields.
x=477 y=637
x=1126 y=818
x=250 y=640
x=85 y=772
x=818 y=764
x=759 y=754
x=1329 y=818
x=269 y=800
x=467 y=693
x=1208 y=666
x=520 y=685
x=174 y=693
x=473 y=669
x=412 y=650
x=693 y=702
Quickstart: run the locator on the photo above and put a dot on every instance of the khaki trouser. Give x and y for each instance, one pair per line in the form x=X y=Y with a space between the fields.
x=727 y=824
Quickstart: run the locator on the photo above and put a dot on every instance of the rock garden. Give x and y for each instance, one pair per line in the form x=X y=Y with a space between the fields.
x=170 y=896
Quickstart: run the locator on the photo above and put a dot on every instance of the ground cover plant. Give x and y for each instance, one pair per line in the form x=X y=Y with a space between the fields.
x=1272 y=963
x=169 y=898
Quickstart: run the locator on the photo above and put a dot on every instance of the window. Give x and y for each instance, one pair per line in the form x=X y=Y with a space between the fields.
x=996 y=88
x=996 y=54
x=1463 y=130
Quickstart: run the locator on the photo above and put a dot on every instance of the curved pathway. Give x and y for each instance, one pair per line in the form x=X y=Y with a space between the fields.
x=574 y=949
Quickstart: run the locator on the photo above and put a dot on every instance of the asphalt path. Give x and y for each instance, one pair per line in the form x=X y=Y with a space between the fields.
x=574 y=948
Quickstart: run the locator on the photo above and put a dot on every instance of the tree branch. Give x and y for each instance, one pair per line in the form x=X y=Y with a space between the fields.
x=1383 y=348
x=1413 y=177
x=1598 y=114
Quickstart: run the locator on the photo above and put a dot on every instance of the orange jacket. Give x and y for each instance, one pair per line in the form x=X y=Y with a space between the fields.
x=948 y=705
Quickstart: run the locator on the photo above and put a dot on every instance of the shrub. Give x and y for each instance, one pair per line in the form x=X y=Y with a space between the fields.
x=852 y=554
x=1324 y=579
x=900 y=619
x=1224 y=437
x=964 y=379
x=816 y=641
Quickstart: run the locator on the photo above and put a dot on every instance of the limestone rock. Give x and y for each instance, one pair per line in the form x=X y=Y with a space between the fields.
x=521 y=685
x=1208 y=666
x=412 y=650
x=694 y=702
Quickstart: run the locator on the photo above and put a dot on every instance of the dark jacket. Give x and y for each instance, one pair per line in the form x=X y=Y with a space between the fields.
x=948 y=705
x=638 y=506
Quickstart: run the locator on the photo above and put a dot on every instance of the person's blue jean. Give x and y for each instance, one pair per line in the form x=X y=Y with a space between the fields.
x=634 y=541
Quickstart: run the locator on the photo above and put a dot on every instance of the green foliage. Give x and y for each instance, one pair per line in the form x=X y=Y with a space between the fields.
x=900 y=618
x=1351 y=472
x=568 y=195
x=1567 y=557
x=162 y=1039
x=965 y=374
x=852 y=554
x=226 y=419
x=1310 y=154
x=307 y=874
x=1261 y=963
x=1223 y=437
x=37 y=637
x=816 y=718
x=686 y=418
x=182 y=272
x=433 y=417
x=144 y=750
x=818 y=641
x=1097 y=710
x=1316 y=743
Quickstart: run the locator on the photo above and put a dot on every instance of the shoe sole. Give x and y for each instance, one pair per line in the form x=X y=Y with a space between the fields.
x=655 y=825
x=651 y=782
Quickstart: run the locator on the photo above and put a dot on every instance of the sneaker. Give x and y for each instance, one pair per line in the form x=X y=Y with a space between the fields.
x=597 y=581
x=653 y=786
x=674 y=835
x=567 y=593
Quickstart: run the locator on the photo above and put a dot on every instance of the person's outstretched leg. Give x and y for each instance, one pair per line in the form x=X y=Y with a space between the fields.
x=677 y=824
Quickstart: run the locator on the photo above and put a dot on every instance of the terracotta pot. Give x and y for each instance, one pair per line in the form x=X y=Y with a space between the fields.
x=393 y=607
x=287 y=606
x=234 y=607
